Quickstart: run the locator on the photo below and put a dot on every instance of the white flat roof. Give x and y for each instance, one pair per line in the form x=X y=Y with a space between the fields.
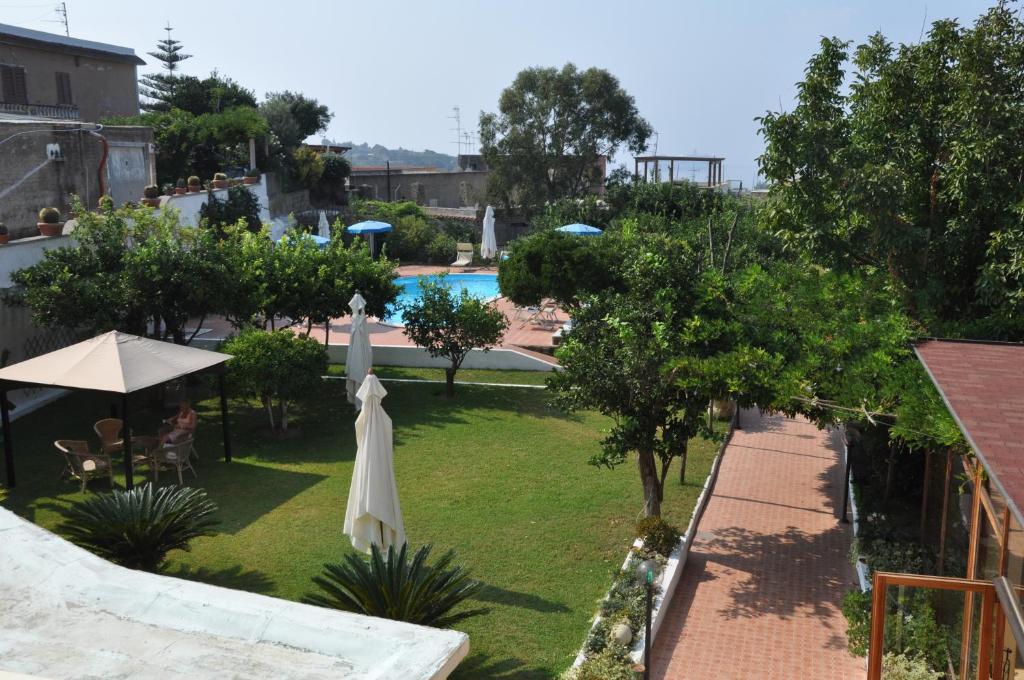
x=65 y=613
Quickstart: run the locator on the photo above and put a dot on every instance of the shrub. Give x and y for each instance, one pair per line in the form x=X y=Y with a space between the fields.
x=49 y=215
x=180 y=184
x=612 y=663
x=3 y=229
x=151 y=191
x=307 y=167
x=658 y=535
x=902 y=667
x=398 y=588
x=194 y=181
x=275 y=365
x=240 y=204
x=410 y=239
x=252 y=172
x=441 y=249
x=220 y=176
x=137 y=528
x=910 y=624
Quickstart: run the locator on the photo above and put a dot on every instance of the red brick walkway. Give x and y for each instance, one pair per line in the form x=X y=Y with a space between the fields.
x=759 y=597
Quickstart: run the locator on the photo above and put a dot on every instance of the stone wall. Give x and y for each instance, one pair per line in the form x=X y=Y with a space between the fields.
x=438 y=189
x=43 y=163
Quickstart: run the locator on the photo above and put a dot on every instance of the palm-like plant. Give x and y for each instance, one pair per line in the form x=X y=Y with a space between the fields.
x=137 y=528
x=397 y=588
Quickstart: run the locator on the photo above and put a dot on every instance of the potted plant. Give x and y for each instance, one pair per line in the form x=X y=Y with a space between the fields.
x=169 y=189
x=4 y=236
x=179 y=187
x=49 y=222
x=151 y=196
x=220 y=181
x=252 y=176
x=194 y=184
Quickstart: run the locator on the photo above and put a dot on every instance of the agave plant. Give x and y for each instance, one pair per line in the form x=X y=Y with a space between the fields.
x=397 y=588
x=137 y=528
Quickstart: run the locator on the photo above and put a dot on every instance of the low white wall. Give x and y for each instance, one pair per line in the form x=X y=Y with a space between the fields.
x=25 y=252
x=188 y=205
x=500 y=359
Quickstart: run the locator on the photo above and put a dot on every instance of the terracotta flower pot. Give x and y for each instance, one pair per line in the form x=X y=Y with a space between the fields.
x=151 y=202
x=50 y=228
x=4 y=238
x=194 y=188
x=179 y=191
x=250 y=180
x=220 y=184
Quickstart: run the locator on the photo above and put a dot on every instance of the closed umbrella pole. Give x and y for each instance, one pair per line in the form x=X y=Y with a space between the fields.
x=373 y=514
x=488 y=242
x=359 y=357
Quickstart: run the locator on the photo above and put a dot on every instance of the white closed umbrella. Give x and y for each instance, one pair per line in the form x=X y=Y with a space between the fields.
x=323 y=227
x=359 y=358
x=374 y=514
x=489 y=244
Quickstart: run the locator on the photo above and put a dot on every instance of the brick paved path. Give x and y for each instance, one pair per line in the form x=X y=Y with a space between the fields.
x=760 y=594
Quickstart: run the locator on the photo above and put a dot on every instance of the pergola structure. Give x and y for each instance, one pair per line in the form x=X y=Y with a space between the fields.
x=714 y=164
x=116 y=364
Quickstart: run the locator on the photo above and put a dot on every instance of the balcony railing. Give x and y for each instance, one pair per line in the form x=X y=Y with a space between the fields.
x=59 y=111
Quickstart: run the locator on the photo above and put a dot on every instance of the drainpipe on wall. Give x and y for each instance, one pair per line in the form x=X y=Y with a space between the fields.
x=101 y=171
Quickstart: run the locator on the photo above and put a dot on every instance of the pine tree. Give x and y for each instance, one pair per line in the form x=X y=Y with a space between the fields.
x=158 y=87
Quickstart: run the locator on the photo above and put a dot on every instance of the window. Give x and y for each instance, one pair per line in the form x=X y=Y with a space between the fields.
x=64 y=88
x=12 y=83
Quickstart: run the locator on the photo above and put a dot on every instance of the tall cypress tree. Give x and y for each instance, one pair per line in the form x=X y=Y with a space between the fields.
x=158 y=87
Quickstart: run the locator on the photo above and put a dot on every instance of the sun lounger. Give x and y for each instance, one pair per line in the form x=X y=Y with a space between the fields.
x=464 y=253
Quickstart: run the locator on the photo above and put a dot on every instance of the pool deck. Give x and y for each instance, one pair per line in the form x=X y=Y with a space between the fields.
x=522 y=335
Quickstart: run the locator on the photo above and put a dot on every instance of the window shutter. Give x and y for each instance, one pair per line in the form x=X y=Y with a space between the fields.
x=12 y=82
x=64 y=88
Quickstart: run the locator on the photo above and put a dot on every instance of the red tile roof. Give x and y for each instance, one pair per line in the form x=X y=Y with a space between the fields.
x=983 y=385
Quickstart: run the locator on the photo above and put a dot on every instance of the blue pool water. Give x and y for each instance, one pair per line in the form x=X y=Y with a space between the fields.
x=483 y=286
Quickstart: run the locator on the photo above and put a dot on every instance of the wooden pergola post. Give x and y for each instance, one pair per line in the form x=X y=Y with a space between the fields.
x=924 y=492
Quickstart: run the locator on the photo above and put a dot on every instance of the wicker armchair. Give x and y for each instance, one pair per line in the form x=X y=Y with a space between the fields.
x=80 y=463
x=109 y=432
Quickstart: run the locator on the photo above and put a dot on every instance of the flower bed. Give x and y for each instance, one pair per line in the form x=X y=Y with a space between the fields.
x=607 y=656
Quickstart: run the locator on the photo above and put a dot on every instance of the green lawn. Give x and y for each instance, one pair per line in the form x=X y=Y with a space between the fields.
x=495 y=474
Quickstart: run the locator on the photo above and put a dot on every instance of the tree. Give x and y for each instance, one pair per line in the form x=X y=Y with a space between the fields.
x=655 y=353
x=449 y=325
x=199 y=144
x=213 y=94
x=930 y=193
x=563 y=267
x=137 y=528
x=291 y=118
x=275 y=365
x=552 y=128
x=158 y=86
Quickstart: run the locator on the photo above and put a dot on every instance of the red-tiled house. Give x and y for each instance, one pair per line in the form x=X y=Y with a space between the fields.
x=982 y=384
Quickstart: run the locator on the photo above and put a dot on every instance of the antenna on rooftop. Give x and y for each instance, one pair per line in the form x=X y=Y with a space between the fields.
x=62 y=12
x=457 y=116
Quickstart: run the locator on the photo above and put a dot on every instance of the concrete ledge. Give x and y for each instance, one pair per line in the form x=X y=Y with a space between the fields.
x=69 y=614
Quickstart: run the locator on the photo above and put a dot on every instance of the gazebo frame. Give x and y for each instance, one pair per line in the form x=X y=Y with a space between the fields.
x=5 y=418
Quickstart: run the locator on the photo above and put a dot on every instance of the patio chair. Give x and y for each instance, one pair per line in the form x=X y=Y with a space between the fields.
x=109 y=432
x=546 y=312
x=80 y=463
x=177 y=455
x=464 y=253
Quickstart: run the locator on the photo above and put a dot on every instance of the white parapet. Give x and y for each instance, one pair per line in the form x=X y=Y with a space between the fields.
x=65 y=613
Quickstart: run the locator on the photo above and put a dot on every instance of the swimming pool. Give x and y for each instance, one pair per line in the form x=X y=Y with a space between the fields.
x=483 y=286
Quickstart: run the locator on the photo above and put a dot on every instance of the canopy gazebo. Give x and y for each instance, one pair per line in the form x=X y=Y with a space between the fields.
x=114 y=363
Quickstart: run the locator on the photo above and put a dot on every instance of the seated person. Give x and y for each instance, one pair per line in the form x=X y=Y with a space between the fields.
x=179 y=426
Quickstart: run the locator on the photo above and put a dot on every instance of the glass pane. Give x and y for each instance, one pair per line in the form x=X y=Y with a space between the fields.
x=926 y=623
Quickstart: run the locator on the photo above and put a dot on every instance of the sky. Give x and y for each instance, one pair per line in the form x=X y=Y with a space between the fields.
x=391 y=72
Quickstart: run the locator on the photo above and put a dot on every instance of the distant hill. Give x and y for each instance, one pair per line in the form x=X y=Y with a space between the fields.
x=362 y=155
